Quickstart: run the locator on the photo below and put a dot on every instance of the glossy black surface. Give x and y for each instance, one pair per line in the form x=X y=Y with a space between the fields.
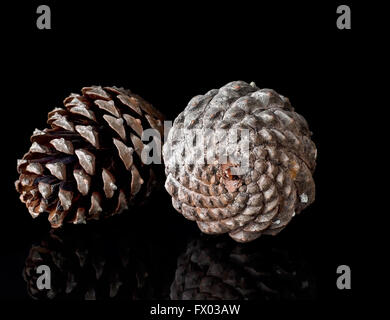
x=168 y=53
x=109 y=262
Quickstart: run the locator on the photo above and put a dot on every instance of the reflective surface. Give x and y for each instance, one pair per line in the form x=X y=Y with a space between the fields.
x=110 y=260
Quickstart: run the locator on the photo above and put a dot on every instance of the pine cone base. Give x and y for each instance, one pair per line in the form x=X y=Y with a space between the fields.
x=278 y=183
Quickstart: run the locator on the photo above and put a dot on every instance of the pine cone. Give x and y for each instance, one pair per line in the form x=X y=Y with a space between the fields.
x=212 y=269
x=281 y=157
x=88 y=164
x=88 y=265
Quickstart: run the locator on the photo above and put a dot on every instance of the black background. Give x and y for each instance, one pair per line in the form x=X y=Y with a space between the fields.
x=168 y=53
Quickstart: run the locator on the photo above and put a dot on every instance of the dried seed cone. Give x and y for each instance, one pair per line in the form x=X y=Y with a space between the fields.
x=90 y=163
x=220 y=270
x=278 y=182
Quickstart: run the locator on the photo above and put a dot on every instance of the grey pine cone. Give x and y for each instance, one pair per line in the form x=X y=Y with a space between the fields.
x=281 y=160
x=88 y=164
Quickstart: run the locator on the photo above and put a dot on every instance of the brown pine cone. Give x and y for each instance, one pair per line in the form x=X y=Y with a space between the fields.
x=88 y=164
x=215 y=269
x=277 y=183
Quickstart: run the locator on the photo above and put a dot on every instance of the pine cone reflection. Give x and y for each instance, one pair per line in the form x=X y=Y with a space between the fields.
x=90 y=264
x=221 y=270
